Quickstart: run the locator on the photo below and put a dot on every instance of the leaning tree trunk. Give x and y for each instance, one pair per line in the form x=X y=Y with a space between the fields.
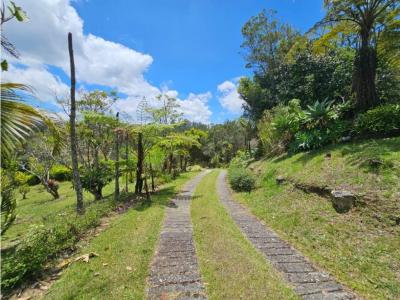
x=74 y=152
x=364 y=76
x=139 y=168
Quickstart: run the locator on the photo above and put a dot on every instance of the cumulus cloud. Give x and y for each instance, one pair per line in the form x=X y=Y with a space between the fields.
x=229 y=97
x=45 y=85
x=43 y=41
x=195 y=108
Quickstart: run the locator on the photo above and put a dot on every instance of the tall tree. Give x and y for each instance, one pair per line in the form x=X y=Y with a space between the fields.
x=74 y=152
x=371 y=20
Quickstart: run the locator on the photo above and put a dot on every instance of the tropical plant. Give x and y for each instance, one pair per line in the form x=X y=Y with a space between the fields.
x=373 y=23
x=19 y=120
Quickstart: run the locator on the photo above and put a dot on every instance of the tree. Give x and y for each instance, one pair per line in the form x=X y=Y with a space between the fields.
x=39 y=159
x=96 y=131
x=73 y=138
x=371 y=20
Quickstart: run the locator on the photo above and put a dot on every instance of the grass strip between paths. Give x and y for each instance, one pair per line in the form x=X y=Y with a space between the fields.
x=230 y=266
x=125 y=250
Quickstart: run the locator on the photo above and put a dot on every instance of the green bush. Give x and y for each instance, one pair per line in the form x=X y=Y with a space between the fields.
x=241 y=179
x=43 y=242
x=195 y=168
x=384 y=119
x=60 y=173
x=32 y=180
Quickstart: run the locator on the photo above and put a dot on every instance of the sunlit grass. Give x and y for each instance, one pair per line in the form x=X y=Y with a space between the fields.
x=362 y=247
x=125 y=250
x=230 y=266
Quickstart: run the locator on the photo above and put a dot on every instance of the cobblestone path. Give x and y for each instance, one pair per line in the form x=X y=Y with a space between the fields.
x=307 y=281
x=174 y=271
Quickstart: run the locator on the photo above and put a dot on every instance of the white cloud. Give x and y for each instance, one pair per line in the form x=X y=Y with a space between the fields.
x=229 y=97
x=43 y=41
x=45 y=85
x=195 y=108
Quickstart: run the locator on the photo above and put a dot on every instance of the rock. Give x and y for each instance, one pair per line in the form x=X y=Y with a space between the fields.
x=328 y=155
x=342 y=200
x=280 y=180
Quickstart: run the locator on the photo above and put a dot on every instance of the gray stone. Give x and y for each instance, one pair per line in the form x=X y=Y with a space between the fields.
x=342 y=200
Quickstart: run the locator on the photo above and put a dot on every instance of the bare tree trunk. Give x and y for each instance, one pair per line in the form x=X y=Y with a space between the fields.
x=116 y=193
x=139 y=168
x=153 y=187
x=74 y=154
x=126 y=159
x=146 y=187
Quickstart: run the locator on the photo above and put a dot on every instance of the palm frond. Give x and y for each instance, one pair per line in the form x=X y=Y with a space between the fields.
x=19 y=120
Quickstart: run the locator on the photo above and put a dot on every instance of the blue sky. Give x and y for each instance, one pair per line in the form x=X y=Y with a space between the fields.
x=189 y=47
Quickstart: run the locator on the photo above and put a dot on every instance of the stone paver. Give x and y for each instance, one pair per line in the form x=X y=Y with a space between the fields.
x=174 y=271
x=307 y=281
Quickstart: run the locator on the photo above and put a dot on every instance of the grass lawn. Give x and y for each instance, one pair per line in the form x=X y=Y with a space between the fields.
x=361 y=247
x=231 y=267
x=125 y=250
x=40 y=206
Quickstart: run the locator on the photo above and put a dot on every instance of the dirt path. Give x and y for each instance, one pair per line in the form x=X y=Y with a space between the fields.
x=307 y=280
x=174 y=271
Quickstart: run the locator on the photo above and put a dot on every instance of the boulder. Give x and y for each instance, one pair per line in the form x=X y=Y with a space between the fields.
x=280 y=180
x=342 y=200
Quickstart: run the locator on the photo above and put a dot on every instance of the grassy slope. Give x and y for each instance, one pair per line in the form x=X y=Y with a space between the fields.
x=230 y=266
x=40 y=204
x=361 y=247
x=128 y=242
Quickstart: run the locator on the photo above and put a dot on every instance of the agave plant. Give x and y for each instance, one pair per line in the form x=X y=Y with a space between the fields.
x=319 y=113
x=19 y=120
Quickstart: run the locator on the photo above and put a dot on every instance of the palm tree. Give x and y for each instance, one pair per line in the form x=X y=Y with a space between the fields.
x=19 y=120
x=372 y=22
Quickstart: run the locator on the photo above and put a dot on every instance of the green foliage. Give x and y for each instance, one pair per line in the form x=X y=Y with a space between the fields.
x=42 y=242
x=23 y=190
x=21 y=178
x=384 y=119
x=241 y=179
x=60 y=173
x=32 y=180
x=95 y=179
x=195 y=168
x=8 y=201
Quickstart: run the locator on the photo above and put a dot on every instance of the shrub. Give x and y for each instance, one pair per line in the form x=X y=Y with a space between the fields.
x=195 y=168
x=242 y=159
x=60 y=173
x=384 y=119
x=43 y=242
x=95 y=179
x=21 y=178
x=241 y=179
x=23 y=190
x=33 y=180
